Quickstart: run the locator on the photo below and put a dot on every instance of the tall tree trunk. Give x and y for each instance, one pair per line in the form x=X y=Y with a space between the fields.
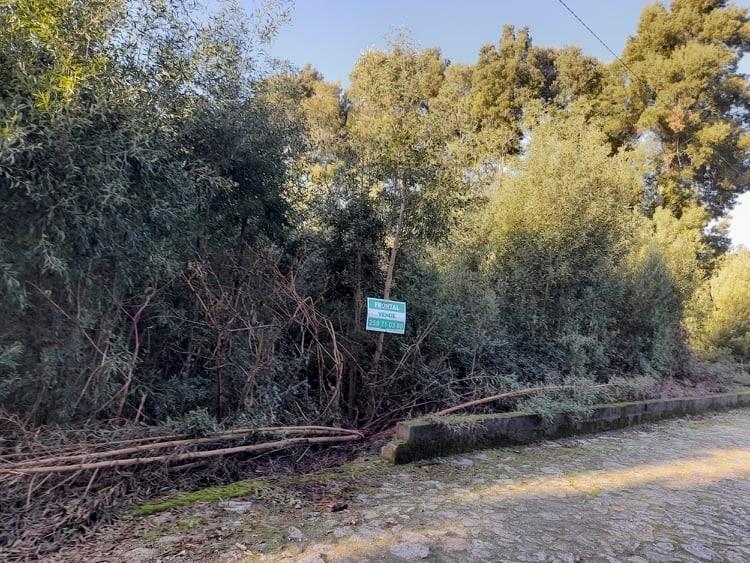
x=394 y=250
x=358 y=301
x=391 y=266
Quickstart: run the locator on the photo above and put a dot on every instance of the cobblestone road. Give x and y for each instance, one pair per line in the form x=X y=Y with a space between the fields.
x=674 y=491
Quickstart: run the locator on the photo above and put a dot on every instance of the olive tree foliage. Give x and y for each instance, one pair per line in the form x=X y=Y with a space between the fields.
x=664 y=267
x=135 y=144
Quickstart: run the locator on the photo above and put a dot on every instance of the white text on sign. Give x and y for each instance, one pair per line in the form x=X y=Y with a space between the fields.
x=384 y=315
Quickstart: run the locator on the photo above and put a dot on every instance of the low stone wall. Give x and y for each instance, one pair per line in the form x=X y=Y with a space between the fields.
x=436 y=436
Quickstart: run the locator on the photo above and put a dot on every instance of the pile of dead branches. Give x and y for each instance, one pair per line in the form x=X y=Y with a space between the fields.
x=52 y=489
x=50 y=492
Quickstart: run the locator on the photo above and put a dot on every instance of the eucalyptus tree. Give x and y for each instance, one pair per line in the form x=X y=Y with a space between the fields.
x=401 y=148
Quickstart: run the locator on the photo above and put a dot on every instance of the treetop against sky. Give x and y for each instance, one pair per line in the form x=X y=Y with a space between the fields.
x=332 y=34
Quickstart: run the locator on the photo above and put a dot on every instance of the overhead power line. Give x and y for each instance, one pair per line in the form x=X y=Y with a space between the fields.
x=592 y=32
x=630 y=70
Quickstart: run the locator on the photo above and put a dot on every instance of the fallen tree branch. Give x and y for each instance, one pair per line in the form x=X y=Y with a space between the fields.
x=73 y=448
x=263 y=447
x=223 y=436
x=516 y=393
x=291 y=429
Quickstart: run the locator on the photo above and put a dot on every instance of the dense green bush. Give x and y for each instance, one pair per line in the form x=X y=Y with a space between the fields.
x=720 y=315
x=565 y=276
x=134 y=144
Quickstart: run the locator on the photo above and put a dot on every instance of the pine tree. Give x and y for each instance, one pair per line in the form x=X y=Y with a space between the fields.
x=693 y=100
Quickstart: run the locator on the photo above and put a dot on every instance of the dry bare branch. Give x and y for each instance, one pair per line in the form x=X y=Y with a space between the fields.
x=110 y=464
x=516 y=393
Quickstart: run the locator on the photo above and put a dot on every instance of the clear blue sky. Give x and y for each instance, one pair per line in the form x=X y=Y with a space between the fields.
x=331 y=34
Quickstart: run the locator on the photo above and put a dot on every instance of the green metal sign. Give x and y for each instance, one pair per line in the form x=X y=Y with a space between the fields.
x=386 y=316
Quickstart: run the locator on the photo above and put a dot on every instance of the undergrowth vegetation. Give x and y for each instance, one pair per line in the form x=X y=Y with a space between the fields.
x=189 y=229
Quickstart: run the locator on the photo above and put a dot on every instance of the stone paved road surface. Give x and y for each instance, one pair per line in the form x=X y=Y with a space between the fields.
x=674 y=491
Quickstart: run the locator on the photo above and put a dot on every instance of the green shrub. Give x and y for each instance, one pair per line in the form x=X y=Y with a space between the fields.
x=720 y=314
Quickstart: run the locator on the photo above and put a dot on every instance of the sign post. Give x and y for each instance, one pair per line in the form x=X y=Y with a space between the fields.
x=384 y=315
